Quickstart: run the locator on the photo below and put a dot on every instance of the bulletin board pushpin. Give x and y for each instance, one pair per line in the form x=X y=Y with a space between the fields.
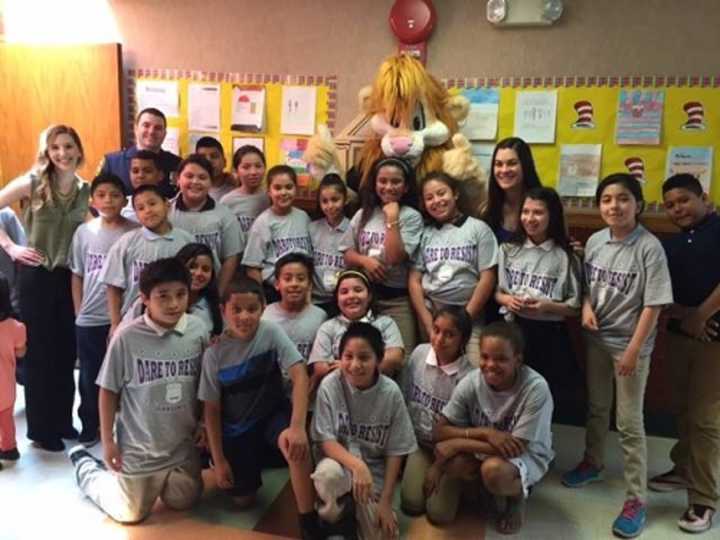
x=412 y=21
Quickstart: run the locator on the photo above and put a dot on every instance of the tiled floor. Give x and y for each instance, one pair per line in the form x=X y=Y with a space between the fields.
x=39 y=499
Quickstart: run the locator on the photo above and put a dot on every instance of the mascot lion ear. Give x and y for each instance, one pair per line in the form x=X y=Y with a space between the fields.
x=459 y=107
x=364 y=98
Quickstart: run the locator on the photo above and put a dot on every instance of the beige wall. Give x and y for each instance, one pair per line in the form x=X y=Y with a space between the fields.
x=349 y=38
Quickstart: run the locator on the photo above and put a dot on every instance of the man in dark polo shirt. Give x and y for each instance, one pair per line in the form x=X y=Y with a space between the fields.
x=150 y=130
x=693 y=350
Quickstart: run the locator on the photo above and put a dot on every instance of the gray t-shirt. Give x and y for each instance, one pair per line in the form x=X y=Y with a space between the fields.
x=88 y=251
x=272 y=236
x=541 y=272
x=525 y=411
x=371 y=424
x=427 y=388
x=370 y=241
x=245 y=376
x=300 y=327
x=155 y=372
x=246 y=208
x=217 y=193
x=10 y=223
x=215 y=227
x=621 y=278
x=327 y=258
x=327 y=341
x=452 y=257
x=132 y=252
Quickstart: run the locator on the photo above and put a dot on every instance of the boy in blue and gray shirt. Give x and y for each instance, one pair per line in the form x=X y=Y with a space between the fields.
x=148 y=394
x=248 y=419
x=88 y=250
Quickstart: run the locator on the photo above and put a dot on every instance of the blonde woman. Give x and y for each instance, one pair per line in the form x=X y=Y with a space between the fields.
x=57 y=204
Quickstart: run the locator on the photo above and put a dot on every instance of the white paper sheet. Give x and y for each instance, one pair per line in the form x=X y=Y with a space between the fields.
x=204 y=107
x=535 y=115
x=481 y=122
x=695 y=160
x=579 y=169
x=162 y=95
x=257 y=142
x=172 y=140
x=248 y=108
x=298 y=110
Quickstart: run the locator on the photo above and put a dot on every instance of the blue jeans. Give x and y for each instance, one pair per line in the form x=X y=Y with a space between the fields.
x=91 y=347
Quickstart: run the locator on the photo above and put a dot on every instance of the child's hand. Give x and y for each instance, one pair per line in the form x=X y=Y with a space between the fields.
x=25 y=255
x=589 y=320
x=361 y=483
x=627 y=363
x=293 y=444
x=533 y=305
x=697 y=326
x=505 y=443
x=111 y=456
x=375 y=269
x=515 y=304
x=577 y=247
x=432 y=479
x=391 y=211
x=386 y=519
x=445 y=451
x=223 y=474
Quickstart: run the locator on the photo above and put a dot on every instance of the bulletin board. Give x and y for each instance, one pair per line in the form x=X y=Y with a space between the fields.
x=603 y=94
x=273 y=138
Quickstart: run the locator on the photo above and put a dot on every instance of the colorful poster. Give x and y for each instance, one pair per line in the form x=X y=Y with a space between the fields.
x=162 y=95
x=291 y=153
x=579 y=169
x=257 y=142
x=639 y=117
x=695 y=160
x=535 y=114
x=298 y=110
x=204 y=107
x=481 y=122
x=248 y=108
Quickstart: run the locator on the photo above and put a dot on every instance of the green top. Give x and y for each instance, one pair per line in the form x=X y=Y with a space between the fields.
x=51 y=227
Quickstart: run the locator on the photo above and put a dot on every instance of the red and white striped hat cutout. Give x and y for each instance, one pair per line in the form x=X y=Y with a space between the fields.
x=584 y=110
x=636 y=167
x=695 y=116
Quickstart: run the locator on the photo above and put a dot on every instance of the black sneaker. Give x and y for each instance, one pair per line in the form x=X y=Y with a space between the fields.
x=70 y=434
x=89 y=439
x=51 y=445
x=10 y=455
x=346 y=525
x=79 y=453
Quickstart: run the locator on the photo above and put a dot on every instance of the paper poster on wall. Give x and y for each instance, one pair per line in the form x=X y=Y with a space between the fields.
x=298 y=110
x=695 y=160
x=481 y=122
x=639 y=116
x=161 y=95
x=204 y=107
x=579 y=169
x=257 y=142
x=193 y=138
x=248 y=108
x=535 y=114
x=172 y=140
x=291 y=152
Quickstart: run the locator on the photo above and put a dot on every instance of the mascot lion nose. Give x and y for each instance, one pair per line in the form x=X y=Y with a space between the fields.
x=400 y=145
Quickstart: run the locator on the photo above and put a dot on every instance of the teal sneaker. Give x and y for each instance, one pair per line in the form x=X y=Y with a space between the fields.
x=585 y=473
x=631 y=521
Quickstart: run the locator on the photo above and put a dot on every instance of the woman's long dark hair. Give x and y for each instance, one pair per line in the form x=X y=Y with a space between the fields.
x=186 y=254
x=493 y=213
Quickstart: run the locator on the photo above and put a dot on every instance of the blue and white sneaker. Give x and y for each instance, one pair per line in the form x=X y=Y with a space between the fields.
x=631 y=521
x=582 y=475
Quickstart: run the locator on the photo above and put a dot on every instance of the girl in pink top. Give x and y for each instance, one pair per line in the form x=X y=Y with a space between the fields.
x=12 y=346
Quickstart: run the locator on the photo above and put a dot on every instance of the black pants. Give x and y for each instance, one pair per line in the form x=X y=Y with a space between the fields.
x=46 y=308
x=549 y=351
x=91 y=347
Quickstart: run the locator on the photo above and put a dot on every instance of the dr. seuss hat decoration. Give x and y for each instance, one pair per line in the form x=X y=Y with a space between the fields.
x=695 y=116
x=584 y=110
x=636 y=167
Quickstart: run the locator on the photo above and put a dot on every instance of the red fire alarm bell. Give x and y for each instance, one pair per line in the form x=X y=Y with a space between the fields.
x=412 y=21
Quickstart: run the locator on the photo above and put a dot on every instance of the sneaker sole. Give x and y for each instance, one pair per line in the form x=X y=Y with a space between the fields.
x=666 y=488
x=622 y=534
x=581 y=484
x=691 y=529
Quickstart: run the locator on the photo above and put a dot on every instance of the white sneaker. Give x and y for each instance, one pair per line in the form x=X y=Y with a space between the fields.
x=693 y=523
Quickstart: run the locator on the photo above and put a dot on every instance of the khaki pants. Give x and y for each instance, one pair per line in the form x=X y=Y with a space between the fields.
x=441 y=507
x=332 y=479
x=695 y=371
x=129 y=499
x=401 y=311
x=630 y=395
